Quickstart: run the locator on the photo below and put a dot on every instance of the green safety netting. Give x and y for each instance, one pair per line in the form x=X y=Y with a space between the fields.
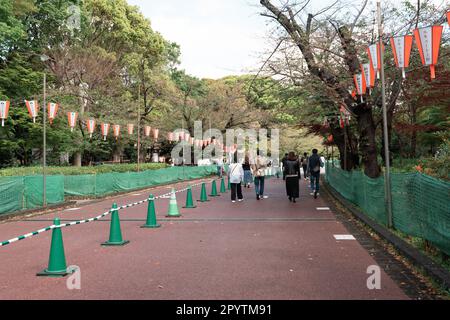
x=420 y=204
x=21 y=193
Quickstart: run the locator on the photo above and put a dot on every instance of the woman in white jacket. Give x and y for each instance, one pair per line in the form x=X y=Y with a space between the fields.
x=236 y=175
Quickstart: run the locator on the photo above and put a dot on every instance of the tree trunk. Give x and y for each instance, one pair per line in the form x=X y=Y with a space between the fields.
x=348 y=158
x=116 y=156
x=414 y=132
x=390 y=117
x=367 y=142
x=77 y=159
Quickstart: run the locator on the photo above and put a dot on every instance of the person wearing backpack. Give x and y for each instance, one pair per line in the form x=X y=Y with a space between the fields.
x=247 y=172
x=258 y=170
x=304 y=162
x=292 y=174
x=314 y=165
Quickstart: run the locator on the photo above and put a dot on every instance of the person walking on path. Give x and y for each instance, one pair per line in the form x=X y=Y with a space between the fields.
x=292 y=173
x=258 y=170
x=304 y=162
x=236 y=176
x=283 y=162
x=247 y=172
x=220 y=167
x=314 y=165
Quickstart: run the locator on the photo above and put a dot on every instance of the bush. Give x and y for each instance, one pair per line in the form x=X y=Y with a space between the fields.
x=437 y=166
x=68 y=171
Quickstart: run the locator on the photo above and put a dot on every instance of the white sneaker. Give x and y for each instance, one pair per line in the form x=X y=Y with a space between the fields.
x=240 y=200
x=265 y=197
x=311 y=194
x=233 y=201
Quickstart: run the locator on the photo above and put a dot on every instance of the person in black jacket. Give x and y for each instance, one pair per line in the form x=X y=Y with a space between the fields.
x=283 y=161
x=314 y=165
x=292 y=174
x=304 y=163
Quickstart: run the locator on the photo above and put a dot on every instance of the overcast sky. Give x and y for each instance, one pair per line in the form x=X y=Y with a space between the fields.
x=217 y=37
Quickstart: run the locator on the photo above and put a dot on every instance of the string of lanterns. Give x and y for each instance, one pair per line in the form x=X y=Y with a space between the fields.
x=343 y=118
x=199 y=143
x=72 y=117
x=428 y=42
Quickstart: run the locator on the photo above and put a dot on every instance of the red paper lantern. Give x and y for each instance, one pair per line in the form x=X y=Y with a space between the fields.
x=4 y=109
x=360 y=84
x=52 y=110
x=428 y=41
x=155 y=134
x=33 y=108
x=130 y=128
x=401 y=47
x=72 y=119
x=105 y=130
x=374 y=54
x=91 y=127
x=116 y=131
x=369 y=75
x=147 y=130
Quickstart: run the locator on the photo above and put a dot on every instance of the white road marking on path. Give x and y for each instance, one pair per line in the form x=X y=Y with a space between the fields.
x=73 y=209
x=323 y=209
x=344 y=237
x=137 y=194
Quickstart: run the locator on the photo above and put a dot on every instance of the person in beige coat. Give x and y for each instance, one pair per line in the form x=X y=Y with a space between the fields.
x=258 y=170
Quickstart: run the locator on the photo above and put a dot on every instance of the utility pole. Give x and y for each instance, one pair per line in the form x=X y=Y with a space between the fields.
x=387 y=178
x=139 y=127
x=44 y=134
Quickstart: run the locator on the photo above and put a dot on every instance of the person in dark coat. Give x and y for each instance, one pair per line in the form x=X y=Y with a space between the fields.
x=304 y=162
x=283 y=161
x=314 y=165
x=292 y=174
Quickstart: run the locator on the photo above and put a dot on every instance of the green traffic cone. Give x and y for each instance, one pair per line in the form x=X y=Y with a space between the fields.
x=57 y=261
x=203 y=196
x=222 y=186
x=173 y=207
x=151 y=214
x=189 y=201
x=214 y=189
x=115 y=234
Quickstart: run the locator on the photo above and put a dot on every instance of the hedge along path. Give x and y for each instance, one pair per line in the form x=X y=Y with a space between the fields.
x=35 y=233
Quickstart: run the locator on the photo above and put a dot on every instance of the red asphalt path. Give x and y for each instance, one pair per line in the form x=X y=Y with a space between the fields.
x=267 y=249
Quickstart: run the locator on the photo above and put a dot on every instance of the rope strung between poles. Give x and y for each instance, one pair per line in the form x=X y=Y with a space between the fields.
x=35 y=233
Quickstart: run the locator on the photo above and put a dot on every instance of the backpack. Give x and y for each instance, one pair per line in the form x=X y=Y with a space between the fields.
x=315 y=164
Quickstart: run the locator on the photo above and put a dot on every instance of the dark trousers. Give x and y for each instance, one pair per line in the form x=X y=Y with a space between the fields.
x=259 y=185
x=305 y=171
x=236 y=188
x=315 y=177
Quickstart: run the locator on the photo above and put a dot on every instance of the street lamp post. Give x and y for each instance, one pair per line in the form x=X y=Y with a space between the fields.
x=44 y=58
x=139 y=129
x=44 y=160
x=387 y=178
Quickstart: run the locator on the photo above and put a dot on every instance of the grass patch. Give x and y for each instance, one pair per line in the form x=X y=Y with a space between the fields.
x=72 y=171
x=426 y=248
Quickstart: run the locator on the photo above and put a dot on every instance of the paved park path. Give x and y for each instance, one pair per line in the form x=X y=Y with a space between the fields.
x=267 y=249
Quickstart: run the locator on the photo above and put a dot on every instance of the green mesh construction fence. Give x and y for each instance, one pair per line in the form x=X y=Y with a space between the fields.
x=21 y=193
x=420 y=204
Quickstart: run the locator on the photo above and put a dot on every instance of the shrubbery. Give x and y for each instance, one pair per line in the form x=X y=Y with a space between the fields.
x=29 y=171
x=438 y=166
